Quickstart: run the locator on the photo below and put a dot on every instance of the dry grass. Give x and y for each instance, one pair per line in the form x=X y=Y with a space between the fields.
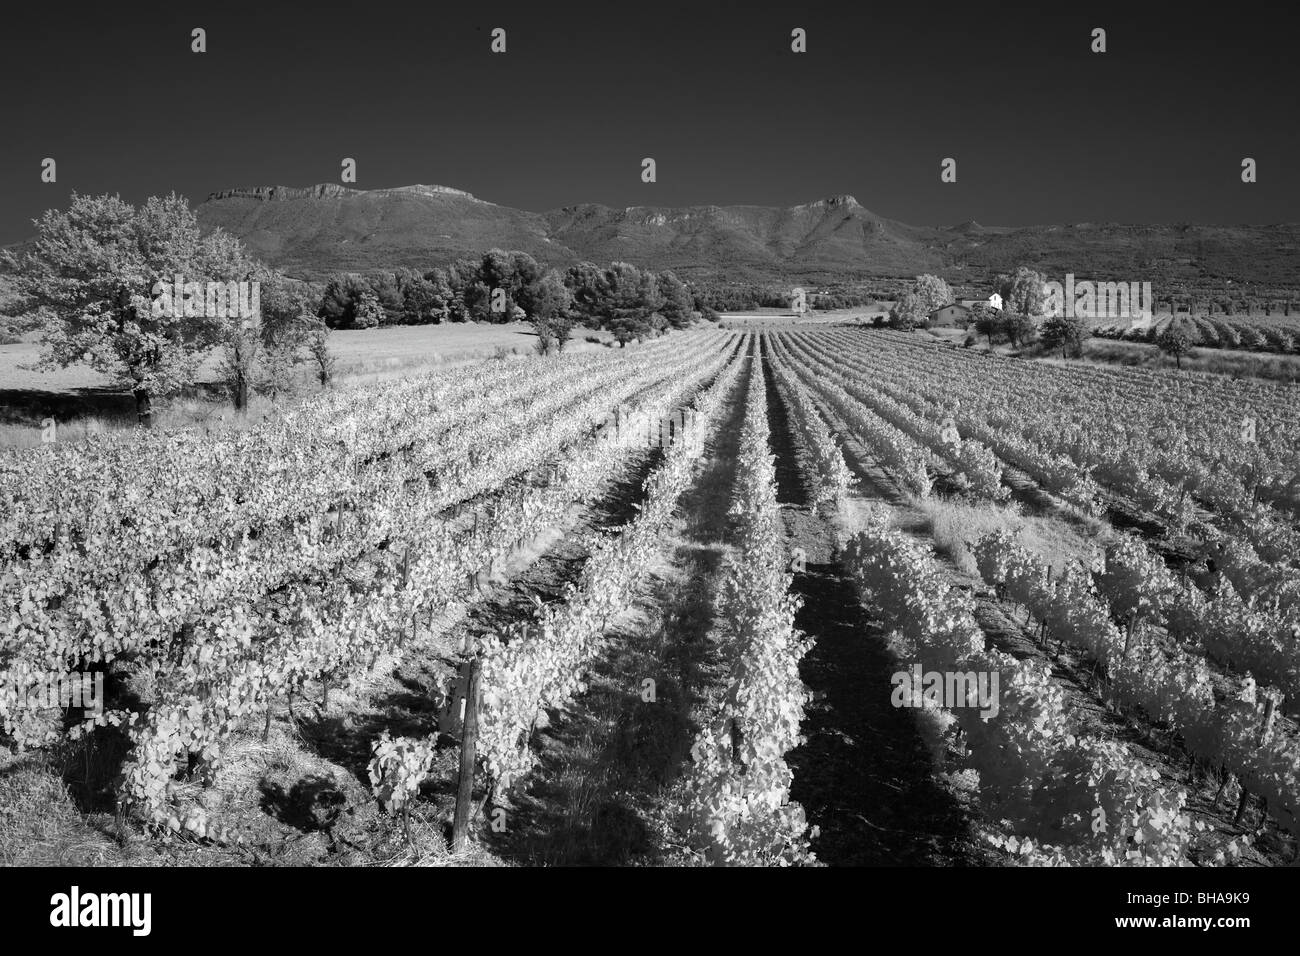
x=956 y=524
x=1233 y=362
x=211 y=416
x=41 y=826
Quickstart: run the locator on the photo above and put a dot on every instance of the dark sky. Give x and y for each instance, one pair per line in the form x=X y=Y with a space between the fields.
x=1043 y=130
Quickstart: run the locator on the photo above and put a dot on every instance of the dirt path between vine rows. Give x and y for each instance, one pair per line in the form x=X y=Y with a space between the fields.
x=865 y=775
x=604 y=791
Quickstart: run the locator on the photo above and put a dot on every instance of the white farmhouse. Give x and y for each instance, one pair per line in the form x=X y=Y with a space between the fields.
x=995 y=301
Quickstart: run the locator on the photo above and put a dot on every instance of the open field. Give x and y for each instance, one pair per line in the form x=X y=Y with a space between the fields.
x=763 y=318
x=817 y=595
x=80 y=396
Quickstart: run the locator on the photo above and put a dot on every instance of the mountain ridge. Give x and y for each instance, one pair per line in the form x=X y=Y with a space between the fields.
x=313 y=231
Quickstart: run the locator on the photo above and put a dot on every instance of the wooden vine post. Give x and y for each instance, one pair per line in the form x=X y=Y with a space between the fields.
x=468 y=756
x=1265 y=731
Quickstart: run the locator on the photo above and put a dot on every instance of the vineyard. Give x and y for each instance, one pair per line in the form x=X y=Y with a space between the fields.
x=677 y=603
x=1276 y=334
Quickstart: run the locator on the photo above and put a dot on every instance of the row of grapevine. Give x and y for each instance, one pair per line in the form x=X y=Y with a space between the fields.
x=833 y=477
x=1164 y=682
x=1074 y=799
x=1275 y=579
x=1214 y=333
x=909 y=462
x=738 y=807
x=974 y=469
x=524 y=677
x=1056 y=473
x=338 y=630
x=1152 y=441
x=232 y=658
x=215 y=488
x=99 y=597
x=1243 y=636
x=71 y=613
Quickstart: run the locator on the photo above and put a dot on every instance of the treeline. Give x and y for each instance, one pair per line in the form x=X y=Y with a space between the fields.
x=512 y=287
x=747 y=297
x=841 y=300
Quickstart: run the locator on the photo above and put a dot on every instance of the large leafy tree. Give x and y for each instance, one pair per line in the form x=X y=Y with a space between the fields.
x=678 y=308
x=932 y=292
x=908 y=312
x=338 y=307
x=914 y=306
x=516 y=274
x=91 y=271
x=629 y=298
x=1023 y=292
x=420 y=298
x=586 y=281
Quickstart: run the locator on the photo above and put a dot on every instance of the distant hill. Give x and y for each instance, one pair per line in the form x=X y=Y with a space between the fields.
x=312 y=232
x=329 y=228
x=827 y=237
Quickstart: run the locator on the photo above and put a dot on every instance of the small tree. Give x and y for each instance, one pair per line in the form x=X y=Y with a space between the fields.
x=551 y=300
x=319 y=350
x=1176 y=340
x=625 y=331
x=1019 y=328
x=545 y=338
x=1065 y=333
x=277 y=376
x=985 y=320
x=240 y=354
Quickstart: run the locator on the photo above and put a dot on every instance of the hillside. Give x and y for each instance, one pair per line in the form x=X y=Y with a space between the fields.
x=312 y=232
x=329 y=228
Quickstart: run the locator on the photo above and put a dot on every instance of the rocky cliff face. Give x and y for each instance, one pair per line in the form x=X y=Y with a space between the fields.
x=329 y=191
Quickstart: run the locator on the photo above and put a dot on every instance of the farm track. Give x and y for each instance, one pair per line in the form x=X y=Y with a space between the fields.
x=864 y=775
x=1086 y=699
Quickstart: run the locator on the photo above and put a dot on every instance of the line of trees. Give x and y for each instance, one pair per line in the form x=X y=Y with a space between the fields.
x=747 y=297
x=506 y=286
